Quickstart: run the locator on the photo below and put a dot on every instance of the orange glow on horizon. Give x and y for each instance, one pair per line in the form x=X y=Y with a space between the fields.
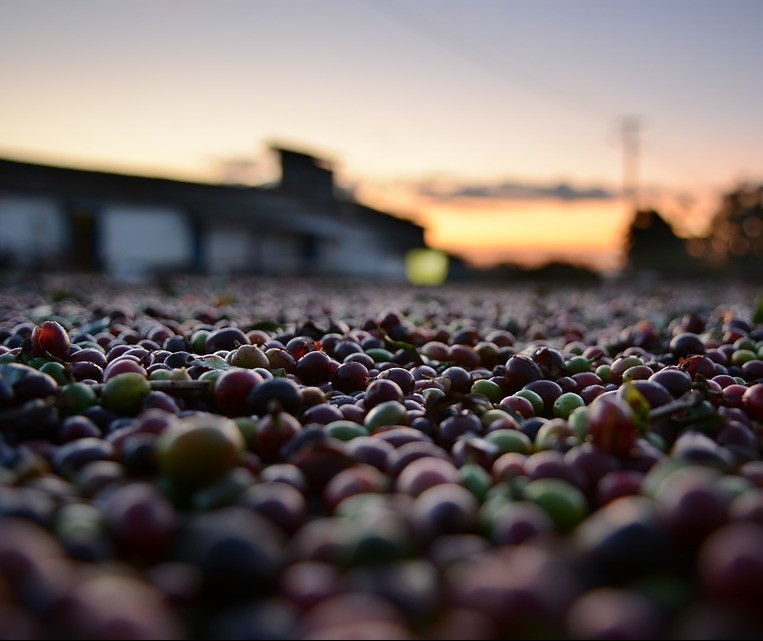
x=488 y=232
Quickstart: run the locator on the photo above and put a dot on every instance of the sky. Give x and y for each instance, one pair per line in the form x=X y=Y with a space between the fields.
x=497 y=124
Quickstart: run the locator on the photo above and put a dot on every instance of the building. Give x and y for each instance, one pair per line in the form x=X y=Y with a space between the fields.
x=132 y=225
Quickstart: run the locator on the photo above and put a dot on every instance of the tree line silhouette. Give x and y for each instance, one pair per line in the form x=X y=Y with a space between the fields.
x=731 y=248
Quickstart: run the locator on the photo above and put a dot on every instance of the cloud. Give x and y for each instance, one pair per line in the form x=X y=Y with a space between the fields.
x=509 y=190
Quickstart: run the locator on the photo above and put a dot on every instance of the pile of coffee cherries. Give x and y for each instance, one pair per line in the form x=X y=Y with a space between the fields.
x=279 y=459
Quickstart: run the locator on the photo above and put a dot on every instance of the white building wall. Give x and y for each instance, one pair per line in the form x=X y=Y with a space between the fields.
x=231 y=250
x=227 y=251
x=279 y=252
x=136 y=240
x=360 y=254
x=31 y=229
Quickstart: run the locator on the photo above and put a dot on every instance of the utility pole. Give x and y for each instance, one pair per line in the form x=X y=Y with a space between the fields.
x=630 y=128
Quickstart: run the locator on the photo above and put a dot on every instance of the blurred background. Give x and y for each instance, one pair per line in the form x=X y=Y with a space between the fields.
x=589 y=139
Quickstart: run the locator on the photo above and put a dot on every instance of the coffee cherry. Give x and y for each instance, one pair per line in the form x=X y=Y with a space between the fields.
x=50 y=338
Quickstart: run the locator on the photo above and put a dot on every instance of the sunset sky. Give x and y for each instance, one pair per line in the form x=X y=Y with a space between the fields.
x=496 y=124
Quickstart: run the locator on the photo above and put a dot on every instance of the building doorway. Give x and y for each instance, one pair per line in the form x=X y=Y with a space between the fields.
x=84 y=245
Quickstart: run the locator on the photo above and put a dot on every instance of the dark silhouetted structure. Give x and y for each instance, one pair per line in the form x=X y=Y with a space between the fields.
x=127 y=225
x=654 y=249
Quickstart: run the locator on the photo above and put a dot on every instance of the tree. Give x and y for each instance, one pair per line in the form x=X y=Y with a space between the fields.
x=735 y=233
x=653 y=246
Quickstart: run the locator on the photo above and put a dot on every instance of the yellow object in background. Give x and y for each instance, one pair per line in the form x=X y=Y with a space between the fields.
x=426 y=267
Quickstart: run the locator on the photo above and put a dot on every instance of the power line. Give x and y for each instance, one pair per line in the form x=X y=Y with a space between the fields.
x=487 y=60
x=630 y=128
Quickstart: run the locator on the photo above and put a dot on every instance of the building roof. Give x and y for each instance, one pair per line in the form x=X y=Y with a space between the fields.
x=279 y=207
